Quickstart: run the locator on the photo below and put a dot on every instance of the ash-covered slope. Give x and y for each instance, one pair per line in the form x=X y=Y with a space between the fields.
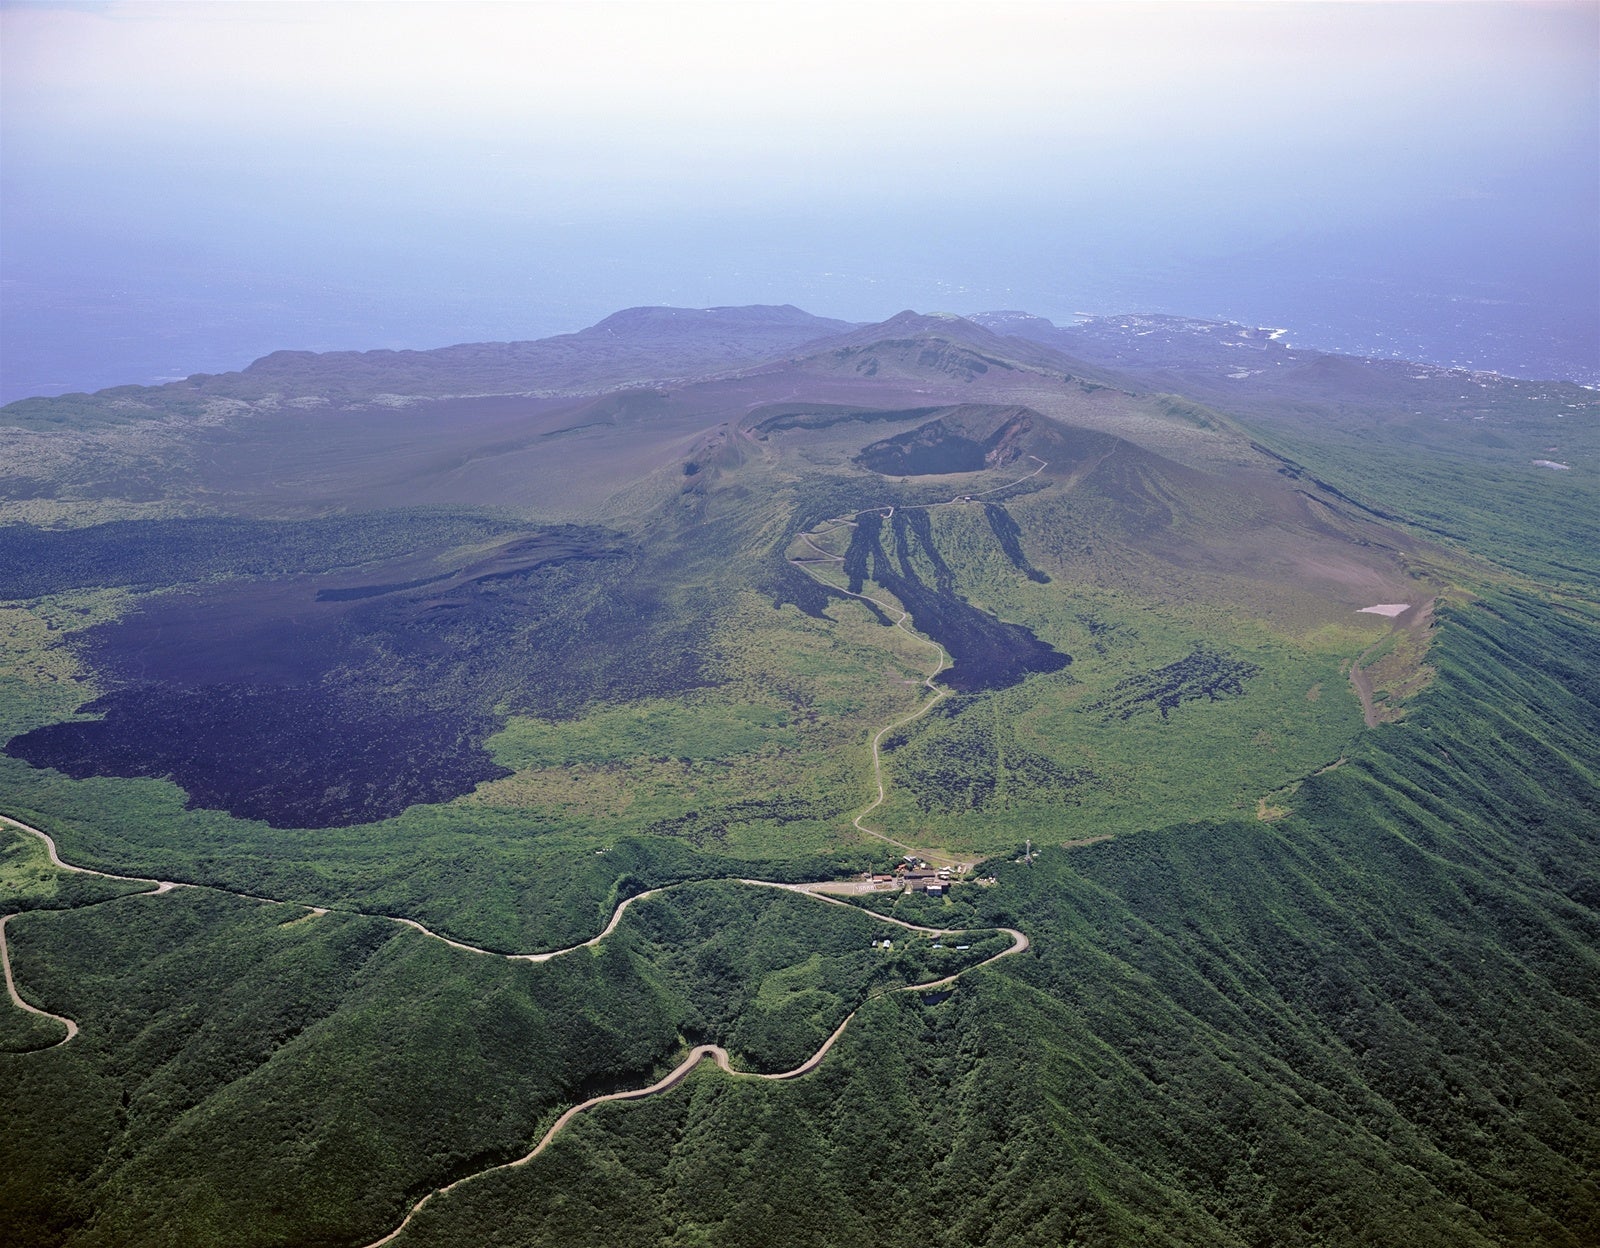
x=1503 y=464
x=579 y=420
x=1293 y=979
x=630 y=347
x=962 y=440
x=916 y=346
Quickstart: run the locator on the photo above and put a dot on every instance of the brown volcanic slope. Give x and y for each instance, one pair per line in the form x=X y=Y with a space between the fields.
x=1112 y=511
x=961 y=440
x=944 y=350
x=1174 y=478
x=702 y=488
x=291 y=431
x=914 y=346
x=1253 y=370
x=1500 y=464
x=627 y=348
x=333 y=434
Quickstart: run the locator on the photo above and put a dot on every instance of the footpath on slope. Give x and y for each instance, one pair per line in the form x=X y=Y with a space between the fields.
x=1414 y=620
x=936 y=693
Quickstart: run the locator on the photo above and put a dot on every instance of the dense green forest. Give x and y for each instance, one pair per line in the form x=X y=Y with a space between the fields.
x=1312 y=923
x=1375 y=1021
x=260 y=1048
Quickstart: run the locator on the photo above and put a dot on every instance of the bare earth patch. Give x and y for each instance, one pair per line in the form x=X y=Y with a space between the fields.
x=1392 y=669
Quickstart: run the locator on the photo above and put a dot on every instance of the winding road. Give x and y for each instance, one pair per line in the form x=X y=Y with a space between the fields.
x=1019 y=942
x=156 y=887
x=716 y=1052
x=936 y=694
x=16 y=998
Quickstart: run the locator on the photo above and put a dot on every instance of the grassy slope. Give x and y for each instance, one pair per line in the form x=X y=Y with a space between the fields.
x=1371 y=1022
x=1467 y=471
x=1310 y=1031
x=1126 y=765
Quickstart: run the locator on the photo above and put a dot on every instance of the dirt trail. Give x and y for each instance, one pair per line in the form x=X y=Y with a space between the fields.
x=936 y=693
x=1019 y=943
x=55 y=858
x=1415 y=619
x=158 y=887
x=1361 y=682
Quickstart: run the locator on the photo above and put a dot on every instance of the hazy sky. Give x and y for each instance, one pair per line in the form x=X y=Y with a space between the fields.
x=194 y=184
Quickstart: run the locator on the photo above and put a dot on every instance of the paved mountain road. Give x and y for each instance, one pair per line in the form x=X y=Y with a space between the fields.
x=717 y=1053
x=1019 y=943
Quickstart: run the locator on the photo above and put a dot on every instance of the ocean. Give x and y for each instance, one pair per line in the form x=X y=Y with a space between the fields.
x=61 y=333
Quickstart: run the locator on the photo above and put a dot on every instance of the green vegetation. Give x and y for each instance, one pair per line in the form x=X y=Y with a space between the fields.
x=1292 y=980
x=770 y=978
x=1467 y=474
x=22 y=1032
x=372 y=1063
x=30 y=881
x=1095 y=748
x=1371 y=1022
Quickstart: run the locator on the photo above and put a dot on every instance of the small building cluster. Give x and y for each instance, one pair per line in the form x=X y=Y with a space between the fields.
x=918 y=877
x=912 y=874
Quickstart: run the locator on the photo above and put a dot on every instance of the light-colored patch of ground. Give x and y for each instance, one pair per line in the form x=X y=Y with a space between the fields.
x=1314 y=694
x=1391 y=670
x=1390 y=609
x=851 y=888
x=1269 y=813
